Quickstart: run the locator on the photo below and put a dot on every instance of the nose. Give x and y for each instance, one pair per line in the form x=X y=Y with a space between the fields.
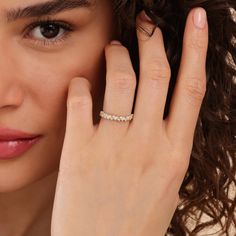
x=11 y=93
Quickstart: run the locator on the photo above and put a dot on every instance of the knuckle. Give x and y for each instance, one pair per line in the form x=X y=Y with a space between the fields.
x=195 y=43
x=196 y=88
x=124 y=81
x=160 y=69
x=159 y=72
x=79 y=101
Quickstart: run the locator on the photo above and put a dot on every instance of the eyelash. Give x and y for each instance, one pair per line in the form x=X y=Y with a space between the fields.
x=68 y=28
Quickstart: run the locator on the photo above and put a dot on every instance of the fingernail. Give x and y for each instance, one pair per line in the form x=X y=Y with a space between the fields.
x=199 y=18
x=115 y=42
x=145 y=17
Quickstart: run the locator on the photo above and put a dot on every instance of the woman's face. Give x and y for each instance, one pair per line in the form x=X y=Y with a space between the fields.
x=37 y=63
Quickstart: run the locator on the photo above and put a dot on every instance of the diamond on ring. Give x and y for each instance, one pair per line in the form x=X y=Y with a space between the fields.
x=116 y=118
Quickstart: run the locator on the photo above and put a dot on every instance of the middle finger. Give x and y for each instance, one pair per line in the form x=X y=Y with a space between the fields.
x=155 y=75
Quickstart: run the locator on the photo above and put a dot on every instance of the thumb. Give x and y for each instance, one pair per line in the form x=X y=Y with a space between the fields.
x=79 y=124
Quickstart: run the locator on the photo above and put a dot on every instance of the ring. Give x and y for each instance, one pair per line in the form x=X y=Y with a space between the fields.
x=107 y=116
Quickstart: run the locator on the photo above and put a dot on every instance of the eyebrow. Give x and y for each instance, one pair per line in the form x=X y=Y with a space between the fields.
x=46 y=8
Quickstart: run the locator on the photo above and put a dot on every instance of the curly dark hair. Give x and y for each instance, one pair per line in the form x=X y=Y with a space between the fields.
x=212 y=169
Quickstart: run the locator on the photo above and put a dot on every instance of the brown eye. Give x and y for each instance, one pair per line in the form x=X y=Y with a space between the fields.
x=47 y=31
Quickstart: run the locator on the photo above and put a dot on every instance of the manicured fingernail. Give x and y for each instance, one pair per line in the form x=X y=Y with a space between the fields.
x=115 y=42
x=199 y=18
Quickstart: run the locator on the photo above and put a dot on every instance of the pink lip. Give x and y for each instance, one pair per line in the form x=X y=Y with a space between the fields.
x=11 y=134
x=12 y=149
x=14 y=142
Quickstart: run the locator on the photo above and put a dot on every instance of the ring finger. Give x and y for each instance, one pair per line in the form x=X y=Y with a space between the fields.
x=120 y=88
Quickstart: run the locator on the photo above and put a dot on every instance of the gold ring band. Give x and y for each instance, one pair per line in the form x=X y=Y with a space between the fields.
x=107 y=116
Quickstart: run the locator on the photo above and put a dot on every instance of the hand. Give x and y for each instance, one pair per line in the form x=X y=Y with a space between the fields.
x=123 y=178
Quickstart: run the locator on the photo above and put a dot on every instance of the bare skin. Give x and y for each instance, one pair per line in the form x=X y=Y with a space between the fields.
x=123 y=179
x=31 y=73
x=34 y=77
x=32 y=210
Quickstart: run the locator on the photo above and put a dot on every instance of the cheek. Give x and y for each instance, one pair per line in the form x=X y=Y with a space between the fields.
x=55 y=70
x=46 y=76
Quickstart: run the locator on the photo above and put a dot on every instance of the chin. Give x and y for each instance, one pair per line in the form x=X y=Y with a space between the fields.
x=18 y=176
x=40 y=162
x=19 y=182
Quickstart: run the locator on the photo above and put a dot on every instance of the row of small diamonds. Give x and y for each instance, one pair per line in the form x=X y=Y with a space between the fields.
x=113 y=117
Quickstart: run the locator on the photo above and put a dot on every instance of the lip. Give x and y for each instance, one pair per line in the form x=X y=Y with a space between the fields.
x=15 y=148
x=7 y=134
x=13 y=142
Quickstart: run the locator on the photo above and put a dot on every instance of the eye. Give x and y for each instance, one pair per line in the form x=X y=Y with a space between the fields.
x=48 y=31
